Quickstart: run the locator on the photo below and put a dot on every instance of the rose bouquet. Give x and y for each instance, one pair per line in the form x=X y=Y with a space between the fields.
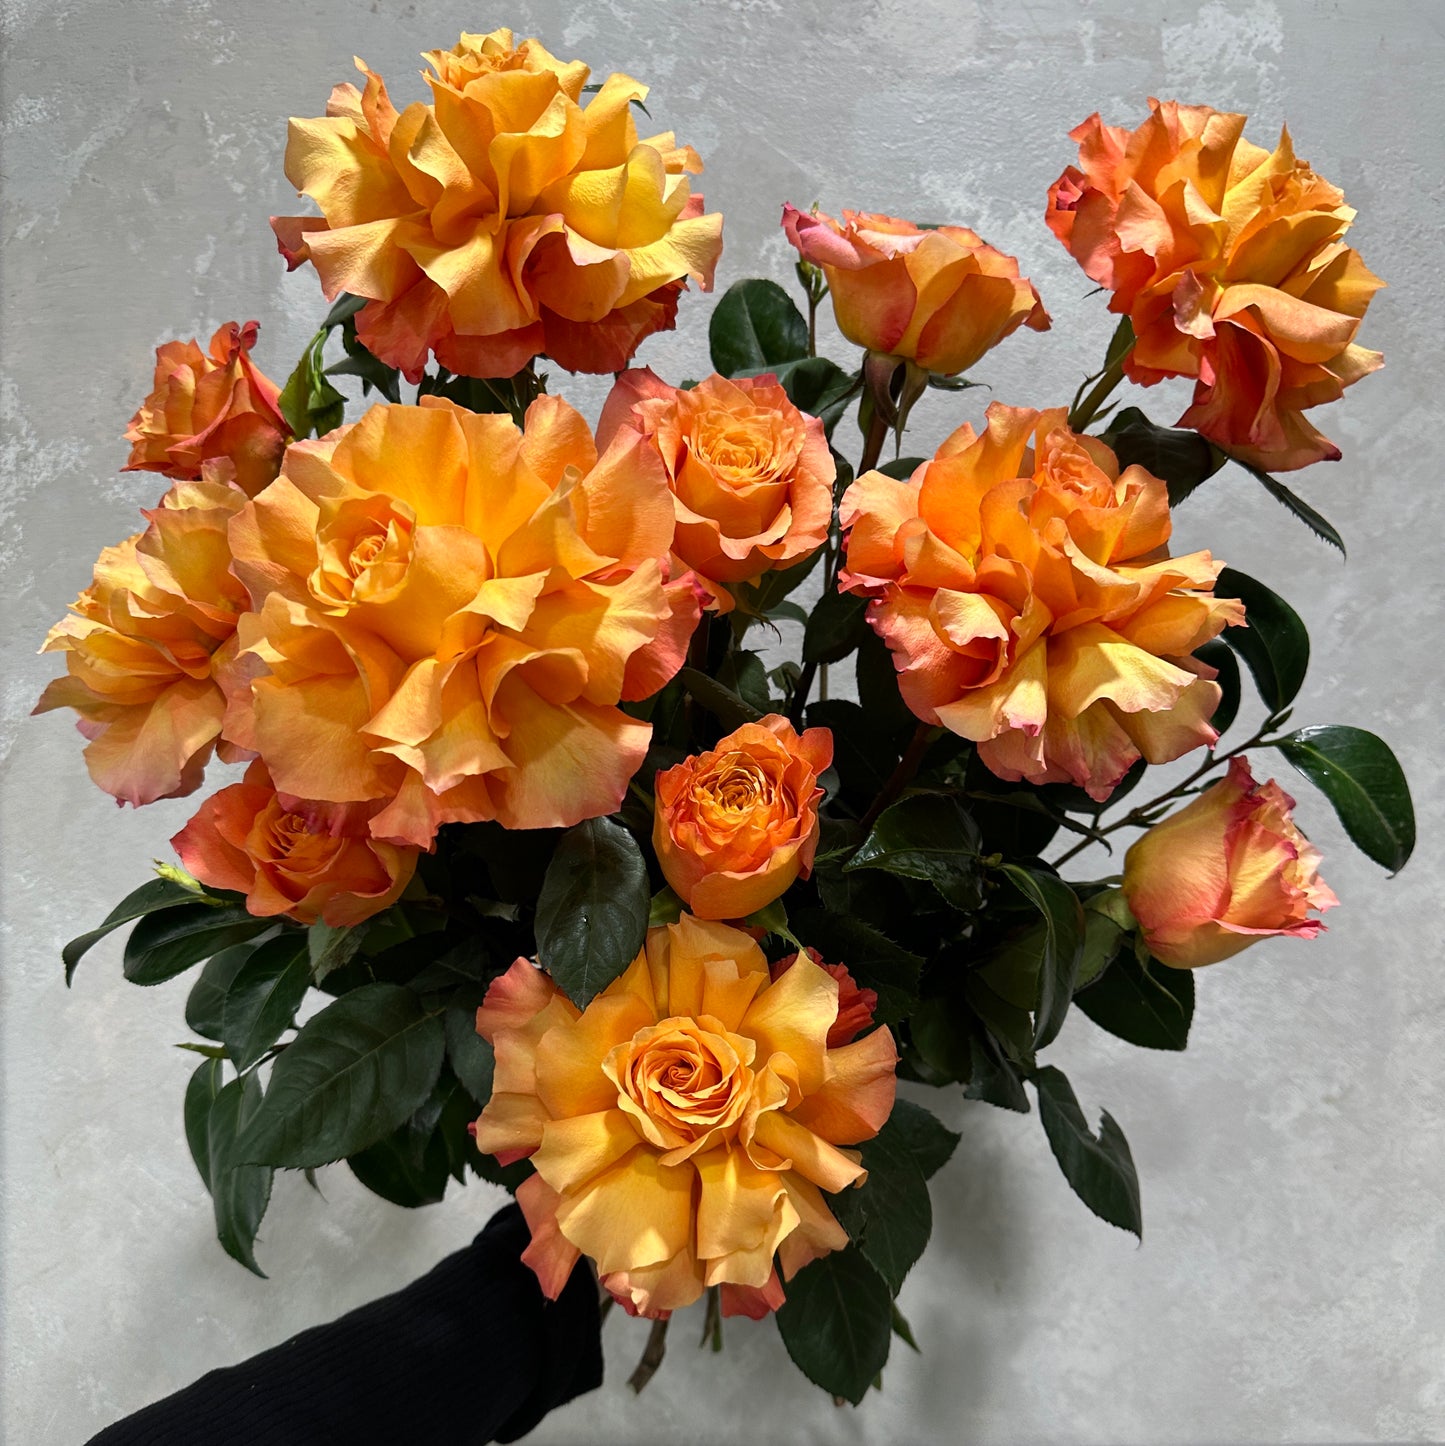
x=568 y=847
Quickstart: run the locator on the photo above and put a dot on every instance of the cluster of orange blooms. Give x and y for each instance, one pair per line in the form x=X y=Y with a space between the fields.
x=433 y=616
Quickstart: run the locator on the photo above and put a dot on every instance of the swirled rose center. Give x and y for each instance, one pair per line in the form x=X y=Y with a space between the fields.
x=363 y=547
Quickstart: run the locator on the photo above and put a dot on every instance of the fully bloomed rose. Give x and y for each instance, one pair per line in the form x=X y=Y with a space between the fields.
x=751 y=476
x=1229 y=261
x=147 y=645
x=448 y=611
x=685 y=1124
x=938 y=297
x=503 y=221
x=1024 y=587
x=735 y=826
x=1228 y=869
x=210 y=411
x=246 y=838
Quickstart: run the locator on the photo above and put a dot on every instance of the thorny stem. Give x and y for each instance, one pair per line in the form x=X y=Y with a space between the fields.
x=1082 y=413
x=651 y=1357
x=923 y=735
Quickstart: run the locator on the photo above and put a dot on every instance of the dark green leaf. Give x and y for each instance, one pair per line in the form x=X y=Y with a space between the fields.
x=927 y=1139
x=201 y=1091
x=743 y=673
x=150 y=897
x=888 y=1217
x=1181 y=458
x=992 y=1078
x=1103 y=938
x=901 y=469
x=878 y=693
x=761 y=598
x=863 y=755
x=1297 y=505
x=165 y=944
x=411 y=1166
x=1364 y=783
x=814 y=385
x=929 y=836
x=343 y=309
x=1099 y=1168
x=1149 y=1006
x=593 y=909
x=835 y=628
x=874 y=960
x=1009 y=1026
x=1063 y=945
x=240 y=1191
x=725 y=705
x=755 y=326
x=902 y=1329
x=330 y=948
x=207 y=999
x=939 y=1029
x=469 y=1055
x=837 y=1323
x=353 y=1073
x=1217 y=654
x=1273 y=641
x=264 y=997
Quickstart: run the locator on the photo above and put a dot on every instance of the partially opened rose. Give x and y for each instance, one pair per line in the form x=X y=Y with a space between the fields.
x=751 y=476
x=147 y=643
x=504 y=220
x=1228 y=869
x=685 y=1125
x=1229 y=262
x=210 y=410
x=938 y=297
x=249 y=839
x=735 y=826
x=1023 y=585
x=448 y=611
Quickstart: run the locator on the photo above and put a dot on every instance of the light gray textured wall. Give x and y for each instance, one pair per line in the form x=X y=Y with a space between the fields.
x=1292 y=1281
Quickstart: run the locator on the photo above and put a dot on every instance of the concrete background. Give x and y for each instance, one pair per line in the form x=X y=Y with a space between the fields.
x=1292 y=1282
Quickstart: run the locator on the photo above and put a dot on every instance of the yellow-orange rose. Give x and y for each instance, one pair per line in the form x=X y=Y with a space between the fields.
x=147 y=643
x=734 y=826
x=684 y=1125
x=210 y=411
x=1228 y=260
x=1024 y=586
x=249 y=839
x=939 y=298
x=448 y=611
x=1227 y=869
x=751 y=476
x=504 y=220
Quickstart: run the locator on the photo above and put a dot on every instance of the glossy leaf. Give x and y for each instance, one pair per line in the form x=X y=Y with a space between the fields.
x=353 y=1073
x=411 y=1166
x=929 y=836
x=207 y=999
x=755 y=326
x=240 y=1191
x=725 y=705
x=154 y=895
x=835 y=627
x=1273 y=643
x=1151 y=1006
x=814 y=385
x=264 y=996
x=593 y=910
x=1063 y=945
x=837 y=1323
x=992 y=1078
x=929 y=1142
x=470 y=1056
x=1365 y=785
x=201 y=1091
x=1181 y=458
x=901 y=469
x=329 y=948
x=1098 y=1167
x=873 y=959
x=1217 y=654
x=168 y=943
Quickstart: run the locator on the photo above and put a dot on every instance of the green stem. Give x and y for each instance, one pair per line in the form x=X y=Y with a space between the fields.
x=1082 y=413
x=651 y=1356
x=923 y=735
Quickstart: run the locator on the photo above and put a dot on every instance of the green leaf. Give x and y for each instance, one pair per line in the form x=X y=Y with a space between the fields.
x=1364 y=783
x=744 y=673
x=207 y=999
x=873 y=959
x=1099 y=1168
x=201 y=1091
x=1273 y=642
x=939 y=1029
x=240 y=1191
x=1151 y=1006
x=761 y=598
x=412 y=1165
x=992 y=1078
x=724 y=705
x=837 y=1323
x=264 y=997
x=353 y=1073
x=835 y=628
x=1063 y=945
x=1181 y=458
x=1103 y=938
x=754 y=327
x=152 y=896
x=469 y=1055
x=929 y=836
x=888 y=1217
x=329 y=948
x=1217 y=654
x=927 y=1139
x=665 y=908
x=167 y=943
x=1297 y=505
x=593 y=910
x=902 y=1329
x=902 y=468
x=814 y=385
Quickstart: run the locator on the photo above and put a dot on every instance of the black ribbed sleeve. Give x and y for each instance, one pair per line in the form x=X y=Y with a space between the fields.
x=472 y=1352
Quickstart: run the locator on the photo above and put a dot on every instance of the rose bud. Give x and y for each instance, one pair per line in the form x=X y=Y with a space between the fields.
x=1227 y=869
x=735 y=826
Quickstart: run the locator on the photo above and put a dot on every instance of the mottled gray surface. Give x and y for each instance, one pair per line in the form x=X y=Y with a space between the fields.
x=1292 y=1282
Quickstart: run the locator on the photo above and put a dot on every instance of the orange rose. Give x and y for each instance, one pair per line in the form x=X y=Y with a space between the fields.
x=448 y=612
x=684 y=1125
x=939 y=297
x=1025 y=589
x=735 y=826
x=147 y=644
x=214 y=412
x=1229 y=868
x=248 y=839
x=855 y=1005
x=1228 y=260
x=751 y=476
x=503 y=221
